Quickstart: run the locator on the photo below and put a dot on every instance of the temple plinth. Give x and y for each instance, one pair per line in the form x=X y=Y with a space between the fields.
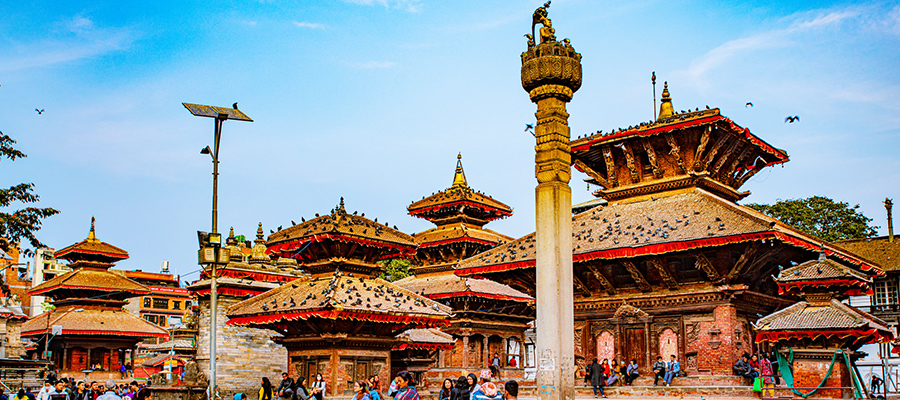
x=551 y=73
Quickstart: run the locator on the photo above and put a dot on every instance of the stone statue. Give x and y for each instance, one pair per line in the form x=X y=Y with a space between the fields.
x=548 y=34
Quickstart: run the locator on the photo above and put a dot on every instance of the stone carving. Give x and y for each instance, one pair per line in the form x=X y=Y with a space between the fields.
x=675 y=152
x=691 y=332
x=628 y=311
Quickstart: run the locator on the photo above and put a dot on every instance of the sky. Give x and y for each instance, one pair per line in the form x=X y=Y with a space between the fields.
x=373 y=99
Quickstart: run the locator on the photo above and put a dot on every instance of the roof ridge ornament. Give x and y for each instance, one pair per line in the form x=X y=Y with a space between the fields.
x=459 y=177
x=665 y=105
x=92 y=237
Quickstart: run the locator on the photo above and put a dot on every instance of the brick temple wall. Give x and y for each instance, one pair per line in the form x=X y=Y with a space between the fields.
x=808 y=372
x=713 y=343
x=245 y=355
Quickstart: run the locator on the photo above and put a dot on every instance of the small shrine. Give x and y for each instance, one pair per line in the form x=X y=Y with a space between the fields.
x=88 y=326
x=11 y=319
x=480 y=332
x=249 y=272
x=418 y=350
x=342 y=321
x=818 y=338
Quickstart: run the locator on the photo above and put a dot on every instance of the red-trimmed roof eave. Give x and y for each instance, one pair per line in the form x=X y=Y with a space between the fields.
x=295 y=243
x=63 y=286
x=74 y=332
x=266 y=319
x=466 y=238
x=119 y=253
x=480 y=295
x=486 y=207
x=668 y=247
x=422 y=346
x=780 y=155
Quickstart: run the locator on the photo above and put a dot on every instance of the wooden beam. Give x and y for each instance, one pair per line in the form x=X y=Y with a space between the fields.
x=580 y=287
x=714 y=150
x=727 y=153
x=607 y=286
x=756 y=168
x=703 y=264
x=731 y=172
x=749 y=252
x=610 y=166
x=698 y=155
x=664 y=273
x=651 y=156
x=629 y=162
x=637 y=276
x=593 y=174
x=675 y=152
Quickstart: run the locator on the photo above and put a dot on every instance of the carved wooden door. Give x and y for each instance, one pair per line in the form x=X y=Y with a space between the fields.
x=634 y=345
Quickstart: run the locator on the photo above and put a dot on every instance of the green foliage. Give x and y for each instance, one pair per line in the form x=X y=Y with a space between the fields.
x=821 y=217
x=396 y=269
x=23 y=223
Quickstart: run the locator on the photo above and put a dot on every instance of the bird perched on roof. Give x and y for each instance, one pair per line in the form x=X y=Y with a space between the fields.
x=748 y=105
x=41 y=111
x=234 y=106
x=790 y=120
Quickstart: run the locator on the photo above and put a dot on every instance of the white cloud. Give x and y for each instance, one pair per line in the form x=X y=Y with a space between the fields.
x=765 y=40
x=309 y=25
x=412 y=6
x=86 y=41
x=375 y=64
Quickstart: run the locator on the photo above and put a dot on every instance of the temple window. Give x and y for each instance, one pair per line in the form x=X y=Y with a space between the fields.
x=148 y=301
x=529 y=355
x=512 y=353
x=176 y=305
x=886 y=292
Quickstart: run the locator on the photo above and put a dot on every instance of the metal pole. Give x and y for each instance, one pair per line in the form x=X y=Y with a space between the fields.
x=213 y=288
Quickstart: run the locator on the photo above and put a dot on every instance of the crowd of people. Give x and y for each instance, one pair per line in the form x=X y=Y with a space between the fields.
x=611 y=373
x=70 y=389
x=402 y=387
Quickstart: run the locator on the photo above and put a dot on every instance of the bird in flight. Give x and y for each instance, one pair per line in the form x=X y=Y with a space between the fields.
x=234 y=106
x=41 y=111
x=790 y=120
x=748 y=105
x=529 y=128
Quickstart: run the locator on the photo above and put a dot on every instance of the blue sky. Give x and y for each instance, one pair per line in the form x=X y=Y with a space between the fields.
x=372 y=100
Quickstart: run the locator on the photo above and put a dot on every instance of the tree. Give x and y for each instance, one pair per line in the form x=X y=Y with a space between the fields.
x=821 y=217
x=21 y=224
x=396 y=269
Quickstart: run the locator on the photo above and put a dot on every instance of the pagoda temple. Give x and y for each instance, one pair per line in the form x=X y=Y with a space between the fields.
x=672 y=243
x=480 y=330
x=247 y=353
x=818 y=337
x=342 y=321
x=88 y=325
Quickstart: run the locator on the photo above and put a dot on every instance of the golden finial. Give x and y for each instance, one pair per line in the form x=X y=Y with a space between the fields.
x=459 y=178
x=665 y=106
x=259 y=232
x=92 y=237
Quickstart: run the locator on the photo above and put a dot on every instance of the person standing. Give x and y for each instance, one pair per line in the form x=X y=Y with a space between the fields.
x=265 y=389
x=461 y=390
x=405 y=389
x=318 y=387
x=446 y=389
x=596 y=377
x=631 y=373
x=59 y=391
x=672 y=369
x=511 y=390
x=768 y=381
x=487 y=390
x=110 y=393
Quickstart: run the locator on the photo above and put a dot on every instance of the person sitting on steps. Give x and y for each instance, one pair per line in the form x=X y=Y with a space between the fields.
x=659 y=370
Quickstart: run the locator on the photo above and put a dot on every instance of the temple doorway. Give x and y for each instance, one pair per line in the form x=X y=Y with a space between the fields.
x=668 y=344
x=635 y=348
x=605 y=346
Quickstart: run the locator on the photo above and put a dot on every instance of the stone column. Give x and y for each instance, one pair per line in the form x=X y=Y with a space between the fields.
x=551 y=73
x=504 y=350
x=521 y=363
x=465 y=351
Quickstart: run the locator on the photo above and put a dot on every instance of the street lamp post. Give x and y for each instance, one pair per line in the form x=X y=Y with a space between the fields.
x=211 y=252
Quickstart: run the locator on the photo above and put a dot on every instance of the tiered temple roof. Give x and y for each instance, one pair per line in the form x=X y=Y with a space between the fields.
x=460 y=214
x=342 y=240
x=821 y=316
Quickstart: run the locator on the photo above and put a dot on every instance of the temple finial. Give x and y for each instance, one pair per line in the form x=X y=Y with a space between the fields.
x=92 y=237
x=341 y=205
x=259 y=232
x=665 y=106
x=459 y=177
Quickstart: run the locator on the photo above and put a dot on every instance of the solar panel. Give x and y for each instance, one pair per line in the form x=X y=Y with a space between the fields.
x=214 y=112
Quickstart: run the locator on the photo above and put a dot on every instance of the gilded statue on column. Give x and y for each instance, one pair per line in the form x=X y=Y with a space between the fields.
x=548 y=34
